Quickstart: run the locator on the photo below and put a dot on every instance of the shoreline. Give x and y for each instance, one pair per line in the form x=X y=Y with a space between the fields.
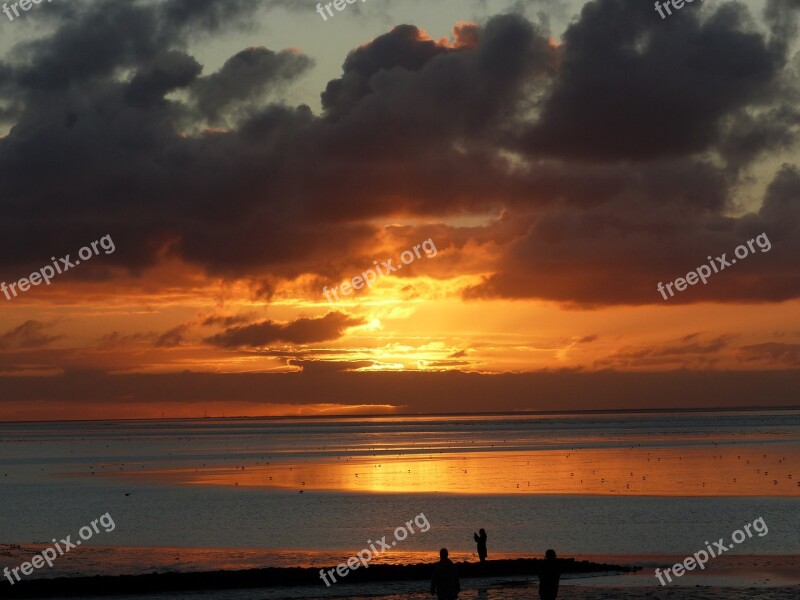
x=632 y=574
x=531 y=413
x=285 y=577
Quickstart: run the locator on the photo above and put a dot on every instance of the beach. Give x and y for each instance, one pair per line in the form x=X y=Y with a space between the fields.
x=762 y=577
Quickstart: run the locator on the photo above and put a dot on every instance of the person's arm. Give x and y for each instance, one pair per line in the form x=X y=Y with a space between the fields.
x=475 y=535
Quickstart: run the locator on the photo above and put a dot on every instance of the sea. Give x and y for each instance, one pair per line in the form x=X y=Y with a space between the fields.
x=628 y=488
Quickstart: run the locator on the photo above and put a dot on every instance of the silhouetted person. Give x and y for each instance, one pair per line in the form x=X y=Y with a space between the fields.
x=549 y=576
x=445 y=583
x=481 y=541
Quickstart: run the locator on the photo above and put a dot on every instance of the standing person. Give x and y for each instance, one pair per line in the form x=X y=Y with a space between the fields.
x=481 y=541
x=445 y=584
x=549 y=576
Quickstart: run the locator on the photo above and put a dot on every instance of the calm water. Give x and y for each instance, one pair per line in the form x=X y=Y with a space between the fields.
x=230 y=489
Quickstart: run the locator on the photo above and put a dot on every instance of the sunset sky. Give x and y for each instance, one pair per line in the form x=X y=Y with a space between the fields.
x=561 y=158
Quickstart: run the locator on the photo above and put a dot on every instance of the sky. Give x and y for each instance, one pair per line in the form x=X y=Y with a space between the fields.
x=244 y=208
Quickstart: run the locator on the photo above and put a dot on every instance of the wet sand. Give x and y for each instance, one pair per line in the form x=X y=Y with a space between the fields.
x=369 y=575
x=613 y=593
x=766 y=577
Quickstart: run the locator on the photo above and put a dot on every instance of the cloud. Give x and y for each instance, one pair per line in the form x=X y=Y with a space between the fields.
x=173 y=337
x=27 y=336
x=614 y=159
x=632 y=86
x=687 y=353
x=300 y=331
x=205 y=15
x=617 y=252
x=320 y=367
x=245 y=77
x=415 y=392
x=163 y=74
x=772 y=353
x=116 y=339
x=227 y=320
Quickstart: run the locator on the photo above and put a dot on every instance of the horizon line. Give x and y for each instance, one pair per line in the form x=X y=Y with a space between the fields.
x=421 y=415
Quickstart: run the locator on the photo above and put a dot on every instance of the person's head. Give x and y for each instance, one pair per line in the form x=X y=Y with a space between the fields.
x=443 y=553
x=550 y=554
x=483 y=531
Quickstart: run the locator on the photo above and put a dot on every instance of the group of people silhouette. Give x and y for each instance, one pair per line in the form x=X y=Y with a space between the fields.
x=446 y=586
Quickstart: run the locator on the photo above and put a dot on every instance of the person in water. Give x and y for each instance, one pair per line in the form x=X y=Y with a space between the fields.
x=481 y=541
x=549 y=576
x=445 y=584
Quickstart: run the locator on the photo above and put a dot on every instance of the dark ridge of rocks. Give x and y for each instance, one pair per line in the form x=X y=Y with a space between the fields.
x=108 y=585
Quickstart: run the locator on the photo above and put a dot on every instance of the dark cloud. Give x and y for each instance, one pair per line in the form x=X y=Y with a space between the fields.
x=782 y=18
x=747 y=137
x=227 y=320
x=246 y=199
x=614 y=158
x=173 y=337
x=781 y=208
x=206 y=15
x=416 y=393
x=618 y=251
x=246 y=77
x=711 y=347
x=165 y=73
x=772 y=354
x=117 y=339
x=688 y=352
x=301 y=331
x=403 y=48
x=632 y=86
x=321 y=367
x=31 y=334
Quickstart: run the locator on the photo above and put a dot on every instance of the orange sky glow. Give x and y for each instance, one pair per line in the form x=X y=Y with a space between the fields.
x=247 y=191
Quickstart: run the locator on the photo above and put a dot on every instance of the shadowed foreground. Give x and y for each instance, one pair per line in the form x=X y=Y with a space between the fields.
x=274 y=577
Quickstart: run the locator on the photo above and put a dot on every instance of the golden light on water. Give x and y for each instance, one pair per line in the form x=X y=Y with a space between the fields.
x=665 y=471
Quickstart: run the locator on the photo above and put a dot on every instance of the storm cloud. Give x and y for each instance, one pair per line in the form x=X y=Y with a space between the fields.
x=618 y=153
